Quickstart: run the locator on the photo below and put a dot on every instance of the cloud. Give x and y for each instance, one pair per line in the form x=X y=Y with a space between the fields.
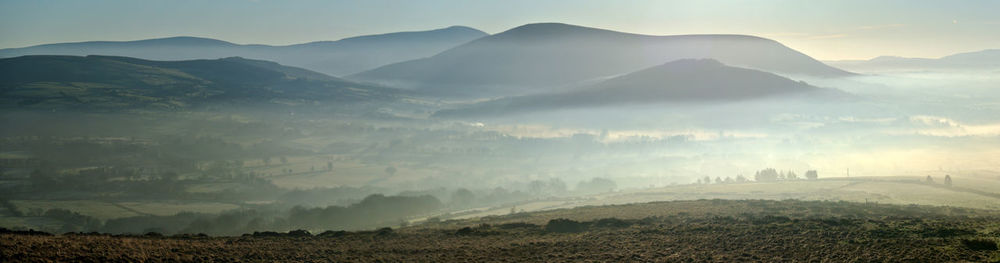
x=945 y=127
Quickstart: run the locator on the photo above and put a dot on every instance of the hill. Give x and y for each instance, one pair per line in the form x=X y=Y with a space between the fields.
x=682 y=81
x=687 y=231
x=984 y=59
x=539 y=56
x=102 y=82
x=342 y=57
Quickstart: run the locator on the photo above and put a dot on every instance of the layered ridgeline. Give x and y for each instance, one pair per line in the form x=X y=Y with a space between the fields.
x=681 y=81
x=337 y=58
x=540 y=56
x=102 y=82
x=986 y=59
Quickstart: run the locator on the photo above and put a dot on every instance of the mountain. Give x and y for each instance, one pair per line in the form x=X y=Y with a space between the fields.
x=539 y=56
x=342 y=57
x=687 y=80
x=103 y=82
x=984 y=59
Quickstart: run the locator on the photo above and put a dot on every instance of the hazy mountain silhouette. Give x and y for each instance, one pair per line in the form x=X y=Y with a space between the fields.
x=552 y=54
x=103 y=82
x=687 y=80
x=984 y=59
x=342 y=57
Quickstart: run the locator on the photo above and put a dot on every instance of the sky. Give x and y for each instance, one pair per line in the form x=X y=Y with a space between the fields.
x=826 y=30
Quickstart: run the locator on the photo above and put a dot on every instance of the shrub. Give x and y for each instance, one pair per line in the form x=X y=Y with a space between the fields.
x=331 y=233
x=980 y=244
x=266 y=234
x=465 y=231
x=299 y=233
x=517 y=225
x=612 y=222
x=385 y=231
x=562 y=225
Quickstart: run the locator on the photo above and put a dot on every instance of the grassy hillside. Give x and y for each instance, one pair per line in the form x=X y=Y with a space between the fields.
x=702 y=230
x=114 y=83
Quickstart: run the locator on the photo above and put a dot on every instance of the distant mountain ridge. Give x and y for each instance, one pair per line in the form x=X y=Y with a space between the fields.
x=113 y=83
x=337 y=58
x=681 y=81
x=552 y=54
x=983 y=59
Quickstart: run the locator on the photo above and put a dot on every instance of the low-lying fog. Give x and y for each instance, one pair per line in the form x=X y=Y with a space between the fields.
x=894 y=124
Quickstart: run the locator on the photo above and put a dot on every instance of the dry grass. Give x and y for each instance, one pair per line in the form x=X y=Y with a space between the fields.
x=704 y=230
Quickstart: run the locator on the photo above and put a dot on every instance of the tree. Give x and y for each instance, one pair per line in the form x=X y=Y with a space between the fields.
x=718 y=180
x=812 y=175
x=462 y=197
x=708 y=180
x=284 y=160
x=329 y=166
x=791 y=176
x=741 y=179
x=390 y=170
x=929 y=180
x=769 y=174
x=169 y=176
x=535 y=187
x=947 y=180
x=597 y=185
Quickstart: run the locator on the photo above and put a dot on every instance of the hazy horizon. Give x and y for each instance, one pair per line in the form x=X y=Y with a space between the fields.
x=470 y=131
x=826 y=30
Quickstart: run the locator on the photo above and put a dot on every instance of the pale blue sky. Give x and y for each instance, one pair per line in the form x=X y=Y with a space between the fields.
x=823 y=29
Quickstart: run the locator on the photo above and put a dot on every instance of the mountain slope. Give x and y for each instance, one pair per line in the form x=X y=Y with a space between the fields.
x=680 y=81
x=342 y=57
x=102 y=82
x=550 y=54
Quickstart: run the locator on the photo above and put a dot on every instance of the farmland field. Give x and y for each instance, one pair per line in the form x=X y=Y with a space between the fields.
x=883 y=190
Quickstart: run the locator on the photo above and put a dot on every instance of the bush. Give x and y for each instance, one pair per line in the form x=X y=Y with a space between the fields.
x=980 y=244
x=266 y=234
x=612 y=223
x=299 y=233
x=517 y=225
x=331 y=233
x=562 y=225
x=385 y=231
x=29 y=232
x=465 y=231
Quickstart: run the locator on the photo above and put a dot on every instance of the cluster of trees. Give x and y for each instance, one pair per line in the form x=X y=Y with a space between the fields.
x=947 y=180
x=596 y=185
x=373 y=211
x=766 y=175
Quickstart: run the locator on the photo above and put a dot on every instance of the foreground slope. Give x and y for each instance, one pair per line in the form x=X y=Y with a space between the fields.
x=547 y=54
x=101 y=82
x=682 y=81
x=701 y=230
x=345 y=56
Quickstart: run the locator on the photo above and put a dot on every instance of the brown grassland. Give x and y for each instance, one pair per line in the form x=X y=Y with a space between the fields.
x=675 y=231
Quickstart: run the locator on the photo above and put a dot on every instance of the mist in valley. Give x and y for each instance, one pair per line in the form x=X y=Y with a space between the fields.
x=191 y=135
